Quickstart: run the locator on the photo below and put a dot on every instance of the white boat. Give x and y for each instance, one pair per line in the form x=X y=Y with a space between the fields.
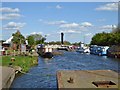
x=87 y=50
x=83 y=50
x=80 y=50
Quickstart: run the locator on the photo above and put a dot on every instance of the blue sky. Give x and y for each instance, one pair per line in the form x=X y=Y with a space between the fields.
x=76 y=20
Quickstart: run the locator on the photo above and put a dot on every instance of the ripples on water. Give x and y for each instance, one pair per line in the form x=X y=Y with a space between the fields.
x=44 y=75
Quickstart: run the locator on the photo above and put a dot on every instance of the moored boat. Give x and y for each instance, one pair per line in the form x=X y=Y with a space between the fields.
x=98 y=50
x=83 y=50
x=44 y=52
x=114 y=51
x=47 y=55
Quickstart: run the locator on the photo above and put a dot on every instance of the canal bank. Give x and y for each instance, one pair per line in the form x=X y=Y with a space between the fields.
x=12 y=65
x=7 y=76
x=44 y=74
x=25 y=62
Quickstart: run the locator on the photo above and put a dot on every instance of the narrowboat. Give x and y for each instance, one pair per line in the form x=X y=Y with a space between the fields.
x=44 y=52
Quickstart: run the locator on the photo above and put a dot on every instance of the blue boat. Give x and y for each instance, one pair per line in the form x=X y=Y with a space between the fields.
x=98 y=50
x=103 y=50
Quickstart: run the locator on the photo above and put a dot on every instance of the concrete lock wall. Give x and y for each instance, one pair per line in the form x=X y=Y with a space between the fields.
x=7 y=77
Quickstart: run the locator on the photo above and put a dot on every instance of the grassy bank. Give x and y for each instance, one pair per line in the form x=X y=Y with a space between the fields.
x=25 y=62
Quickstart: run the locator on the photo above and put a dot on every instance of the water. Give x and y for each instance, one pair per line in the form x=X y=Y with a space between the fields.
x=44 y=75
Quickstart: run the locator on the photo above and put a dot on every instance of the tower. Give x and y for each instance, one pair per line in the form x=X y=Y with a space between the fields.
x=62 y=34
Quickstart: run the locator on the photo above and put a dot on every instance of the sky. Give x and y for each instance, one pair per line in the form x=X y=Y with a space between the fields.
x=79 y=21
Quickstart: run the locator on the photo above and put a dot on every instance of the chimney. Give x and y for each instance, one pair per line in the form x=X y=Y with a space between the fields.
x=62 y=38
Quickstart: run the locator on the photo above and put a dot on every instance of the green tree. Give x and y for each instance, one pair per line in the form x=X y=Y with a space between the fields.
x=31 y=40
x=67 y=43
x=77 y=43
x=35 y=39
x=106 y=39
x=18 y=39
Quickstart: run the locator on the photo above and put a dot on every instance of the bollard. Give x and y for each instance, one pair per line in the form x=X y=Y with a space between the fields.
x=12 y=59
x=70 y=80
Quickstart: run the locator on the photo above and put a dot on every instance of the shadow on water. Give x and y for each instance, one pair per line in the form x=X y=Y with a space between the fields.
x=44 y=75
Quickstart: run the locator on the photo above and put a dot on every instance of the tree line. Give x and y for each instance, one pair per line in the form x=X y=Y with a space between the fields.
x=34 y=39
x=107 y=39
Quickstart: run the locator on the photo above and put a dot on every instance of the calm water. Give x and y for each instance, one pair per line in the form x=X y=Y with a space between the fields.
x=44 y=75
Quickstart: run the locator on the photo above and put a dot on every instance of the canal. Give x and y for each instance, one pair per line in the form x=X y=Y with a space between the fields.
x=44 y=74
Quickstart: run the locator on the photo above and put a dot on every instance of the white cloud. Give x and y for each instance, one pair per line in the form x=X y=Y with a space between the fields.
x=37 y=33
x=65 y=24
x=88 y=34
x=108 y=27
x=86 y=24
x=56 y=22
x=69 y=25
x=13 y=26
x=69 y=31
x=7 y=9
x=58 y=7
x=10 y=16
x=109 y=7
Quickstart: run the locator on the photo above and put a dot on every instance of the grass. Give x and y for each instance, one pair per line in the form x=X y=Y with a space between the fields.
x=25 y=62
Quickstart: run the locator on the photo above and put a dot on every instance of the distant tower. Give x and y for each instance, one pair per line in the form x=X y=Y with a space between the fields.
x=62 y=38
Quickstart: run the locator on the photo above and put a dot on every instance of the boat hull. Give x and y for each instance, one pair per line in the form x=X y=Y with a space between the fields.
x=47 y=55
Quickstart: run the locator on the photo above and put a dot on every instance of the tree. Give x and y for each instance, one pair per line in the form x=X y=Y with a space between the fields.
x=35 y=39
x=41 y=41
x=77 y=43
x=67 y=43
x=31 y=40
x=18 y=39
x=106 y=39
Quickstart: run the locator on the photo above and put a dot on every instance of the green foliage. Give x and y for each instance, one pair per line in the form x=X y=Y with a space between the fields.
x=35 y=39
x=77 y=43
x=36 y=36
x=31 y=40
x=106 y=39
x=18 y=39
x=25 y=62
x=67 y=43
x=59 y=43
x=41 y=41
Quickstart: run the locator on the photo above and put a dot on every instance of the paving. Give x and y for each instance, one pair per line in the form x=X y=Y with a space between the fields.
x=6 y=77
x=87 y=79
